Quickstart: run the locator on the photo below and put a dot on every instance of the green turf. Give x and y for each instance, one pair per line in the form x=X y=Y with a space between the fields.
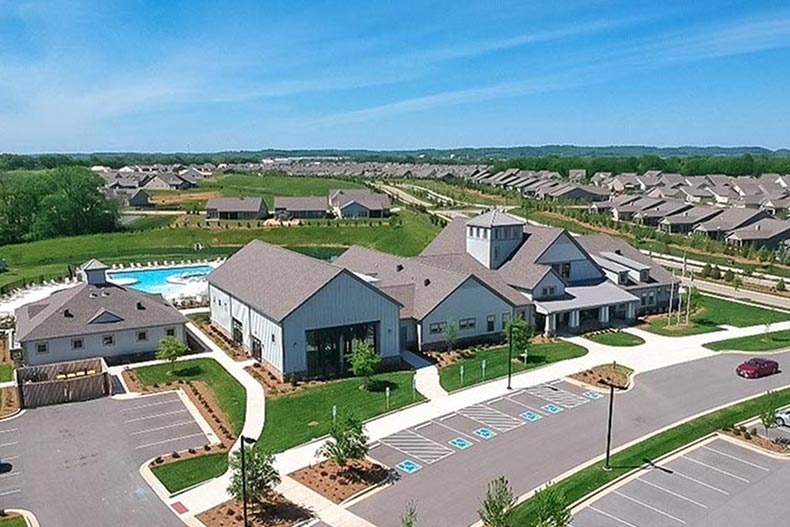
x=407 y=234
x=587 y=480
x=776 y=340
x=16 y=521
x=183 y=474
x=715 y=312
x=615 y=338
x=496 y=363
x=6 y=372
x=297 y=418
x=230 y=394
x=455 y=192
x=268 y=186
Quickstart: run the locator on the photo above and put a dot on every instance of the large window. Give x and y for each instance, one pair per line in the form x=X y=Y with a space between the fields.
x=562 y=269
x=328 y=348
x=490 y=323
x=437 y=328
x=108 y=340
x=467 y=323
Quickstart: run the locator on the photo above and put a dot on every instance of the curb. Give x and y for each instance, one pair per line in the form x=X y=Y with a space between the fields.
x=29 y=517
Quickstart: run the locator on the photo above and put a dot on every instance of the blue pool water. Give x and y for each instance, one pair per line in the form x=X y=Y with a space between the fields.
x=169 y=281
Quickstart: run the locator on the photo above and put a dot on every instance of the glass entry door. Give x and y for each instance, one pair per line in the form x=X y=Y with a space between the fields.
x=328 y=348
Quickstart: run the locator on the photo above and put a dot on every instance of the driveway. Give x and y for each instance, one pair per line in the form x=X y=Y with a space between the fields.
x=78 y=464
x=451 y=478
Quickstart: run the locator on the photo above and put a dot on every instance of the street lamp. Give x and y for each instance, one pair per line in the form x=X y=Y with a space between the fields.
x=606 y=465
x=509 y=355
x=244 y=441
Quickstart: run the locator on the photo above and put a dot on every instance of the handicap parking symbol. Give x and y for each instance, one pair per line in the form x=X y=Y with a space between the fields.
x=531 y=416
x=460 y=443
x=593 y=396
x=552 y=408
x=408 y=466
x=485 y=433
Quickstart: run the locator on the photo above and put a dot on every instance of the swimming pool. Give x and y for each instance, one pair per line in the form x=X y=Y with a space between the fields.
x=188 y=280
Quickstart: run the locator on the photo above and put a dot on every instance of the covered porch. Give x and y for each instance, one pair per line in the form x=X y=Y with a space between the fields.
x=584 y=308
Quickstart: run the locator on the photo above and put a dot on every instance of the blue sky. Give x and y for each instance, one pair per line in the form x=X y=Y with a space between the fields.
x=204 y=76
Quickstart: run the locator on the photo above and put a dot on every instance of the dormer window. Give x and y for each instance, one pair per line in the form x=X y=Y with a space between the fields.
x=644 y=276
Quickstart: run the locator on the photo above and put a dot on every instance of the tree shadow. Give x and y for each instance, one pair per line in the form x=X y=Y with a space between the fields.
x=379 y=385
x=189 y=371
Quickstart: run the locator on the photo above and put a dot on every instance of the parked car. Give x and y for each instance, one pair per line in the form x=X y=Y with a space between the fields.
x=783 y=417
x=753 y=368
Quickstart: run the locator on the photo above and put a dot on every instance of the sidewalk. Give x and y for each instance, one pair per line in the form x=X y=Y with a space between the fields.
x=426 y=376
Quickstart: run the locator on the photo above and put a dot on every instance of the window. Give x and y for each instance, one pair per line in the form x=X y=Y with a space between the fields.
x=108 y=340
x=505 y=319
x=651 y=298
x=643 y=299
x=437 y=328
x=496 y=253
x=490 y=323
x=170 y=332
x=76 y=344
x=42 y=347
x=142 y=336
x=562 y=269
x=467 y=323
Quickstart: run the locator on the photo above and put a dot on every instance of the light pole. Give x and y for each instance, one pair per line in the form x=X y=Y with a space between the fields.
x=244 y=441
x=509 y=355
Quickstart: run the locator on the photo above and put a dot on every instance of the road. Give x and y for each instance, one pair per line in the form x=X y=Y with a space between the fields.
x=447 y=491
x=404 y=196
x=78 y=464
x=780 y=302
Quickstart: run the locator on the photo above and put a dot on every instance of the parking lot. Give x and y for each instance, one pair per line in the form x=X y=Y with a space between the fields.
x=692 y=489
x=422 y=446
x=75 y=461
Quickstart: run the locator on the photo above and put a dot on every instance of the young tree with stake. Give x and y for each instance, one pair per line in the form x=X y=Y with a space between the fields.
x=171 y=349
x=262 y=477
x=365 y=362
x=496 y=505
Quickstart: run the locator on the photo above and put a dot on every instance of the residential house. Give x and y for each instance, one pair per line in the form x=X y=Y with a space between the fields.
x=685 y=222
x=166 y=181
x=311 y=207
x=765 y=233
x=653 y=215
x=729 y=220
x=243 y=208
x=359 y=204
x=94 y=319
x=573 y=192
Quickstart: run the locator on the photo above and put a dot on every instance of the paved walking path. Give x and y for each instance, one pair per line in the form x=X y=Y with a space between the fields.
x=322 y=508
x=426 y=376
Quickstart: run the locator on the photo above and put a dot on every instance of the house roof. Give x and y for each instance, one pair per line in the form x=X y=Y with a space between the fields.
x=585 y=297
x=600 y=244
x=764 y=229
x=93 y=265
x=370 y=200
x=271 y=279
x=692 y=216
x=729 y=219
x=89 y=309
x=310 y=203
x=242 y=204
x=495 y=218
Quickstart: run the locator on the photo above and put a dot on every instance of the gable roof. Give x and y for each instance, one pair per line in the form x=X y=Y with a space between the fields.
x=730 y=219
x=495 y=218
x=764 y=229
x=241 y=204
x=601 y=244
x=308 y=203
x=89 y=309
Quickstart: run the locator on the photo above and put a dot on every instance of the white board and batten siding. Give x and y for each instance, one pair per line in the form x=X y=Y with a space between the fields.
x=343 y=301
x=565 y=250
x=470 y=300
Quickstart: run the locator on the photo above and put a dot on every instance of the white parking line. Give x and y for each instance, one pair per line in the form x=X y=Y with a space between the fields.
x=165 y=427
x=9 y=458
x=148 y=405
x=9 y=492
x=420 y=427
x=735 y=458
x=450 y=428
x=716 y=469
x=170 y=440
x=9 y=430
x=528 y=407
x=9 y=475
x=650 y=507
x=12 y=443
x=164 y=414
x=611 y=516
x=698 y=482
x=672 y=493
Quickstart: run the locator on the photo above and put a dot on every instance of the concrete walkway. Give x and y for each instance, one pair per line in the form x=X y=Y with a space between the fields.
x=323 y=509
x=426 y=376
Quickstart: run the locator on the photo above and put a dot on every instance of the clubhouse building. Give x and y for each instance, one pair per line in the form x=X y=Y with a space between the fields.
x=303 y=316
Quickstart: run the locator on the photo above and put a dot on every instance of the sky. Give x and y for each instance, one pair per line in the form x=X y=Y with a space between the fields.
x=198 y=76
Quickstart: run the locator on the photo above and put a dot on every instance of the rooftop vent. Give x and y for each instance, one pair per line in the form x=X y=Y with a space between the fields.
x=68 y=314
x=399 y=267
x=618 y=251
x=105 y=293
x=140 y=306
x=757 y=227
x=92 y=294
x=426 y=282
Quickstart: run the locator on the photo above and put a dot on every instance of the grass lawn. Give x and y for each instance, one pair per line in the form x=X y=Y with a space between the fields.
x=763 y=342
x=593 y=477
x=188 y=472
x=16 y=521
x=230 y=394
x=299 y=417
x=48 y=258
x=458 y=192
x=715 y=312
x=6 y=372
x=616 y=338
x=496 y=363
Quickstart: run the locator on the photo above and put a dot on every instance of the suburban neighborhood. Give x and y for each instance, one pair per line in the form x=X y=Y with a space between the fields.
x=394 y=264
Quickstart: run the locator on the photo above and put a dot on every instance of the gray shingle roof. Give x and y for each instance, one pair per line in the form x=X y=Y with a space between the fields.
x=370 y=200
x=243 y=204
x=309 y=203
x=595 y=244
x=495 y=218
x=271 y=279
x=730 y=219
x=764 y=229
x=89 y=309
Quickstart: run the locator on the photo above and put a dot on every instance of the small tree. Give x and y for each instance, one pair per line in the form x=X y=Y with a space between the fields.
x=365 y=362
x=768 y=411
x=780 y=285
x=729 y=276
x=347 y=440
x=497 y=503
x=552 y=507
x=706 y=271
x=262 y=477
x=715 y=273
x=409 y=518
x=171 y=349
x=451 y=334
x=519 y=332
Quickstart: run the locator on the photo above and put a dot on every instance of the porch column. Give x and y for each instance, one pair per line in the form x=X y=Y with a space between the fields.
x=603 y=314
x=550 y=325
x=573 y=320
x=631 y=311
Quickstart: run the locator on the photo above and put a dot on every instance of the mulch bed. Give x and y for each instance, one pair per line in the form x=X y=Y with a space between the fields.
x=203 y=398
x=220 y=339
x=599 y=376
x=279 y=512
x=751 y=437
x=338 y=483
x=10 y=404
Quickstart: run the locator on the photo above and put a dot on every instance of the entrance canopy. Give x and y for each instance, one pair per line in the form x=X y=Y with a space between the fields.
x=585 y=297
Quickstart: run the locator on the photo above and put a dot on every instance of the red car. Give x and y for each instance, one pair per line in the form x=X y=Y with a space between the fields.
x=753 y=368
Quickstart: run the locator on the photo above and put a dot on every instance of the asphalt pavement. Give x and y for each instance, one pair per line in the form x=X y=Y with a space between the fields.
x=450 y=480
